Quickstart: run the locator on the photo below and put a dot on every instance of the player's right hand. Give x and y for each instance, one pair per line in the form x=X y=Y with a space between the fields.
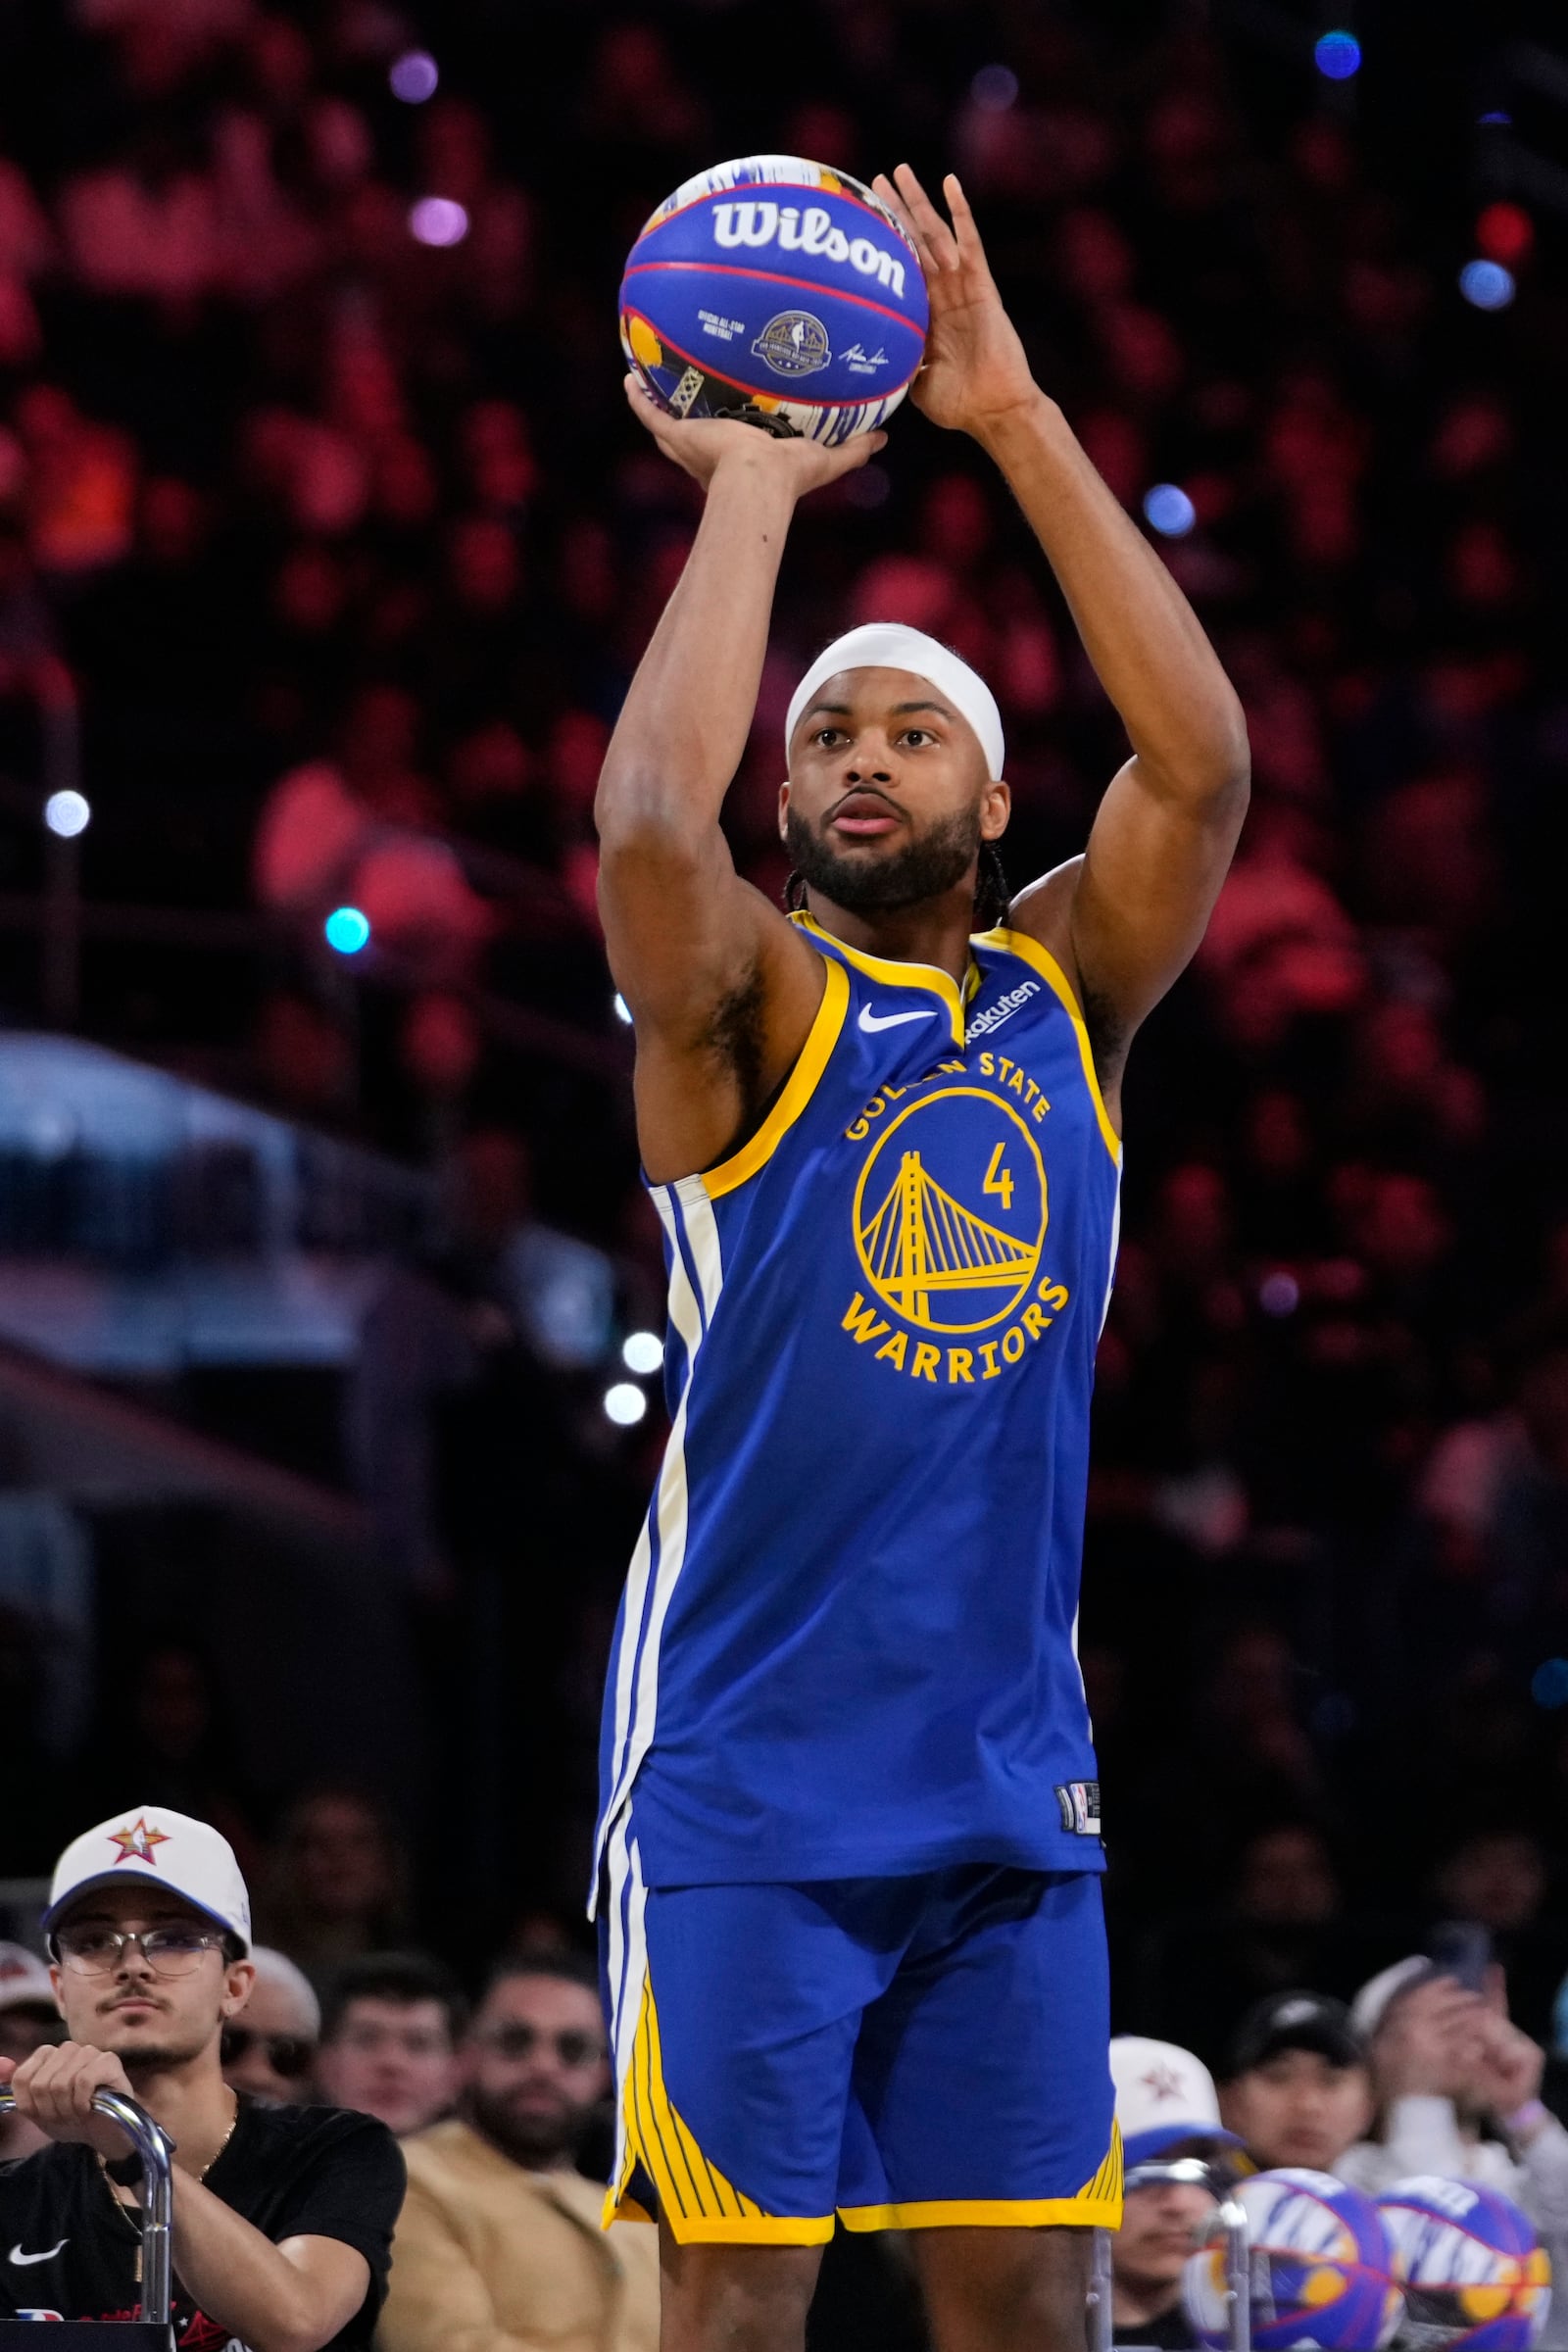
x=700 y=444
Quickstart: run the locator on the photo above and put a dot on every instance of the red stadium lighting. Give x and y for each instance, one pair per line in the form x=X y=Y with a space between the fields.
x=1506 y=233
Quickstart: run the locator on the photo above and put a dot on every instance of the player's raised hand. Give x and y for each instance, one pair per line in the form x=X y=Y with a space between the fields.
x=975 y=366
x=700 y=444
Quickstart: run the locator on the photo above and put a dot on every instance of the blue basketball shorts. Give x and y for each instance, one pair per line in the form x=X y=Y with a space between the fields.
x=907 y=2053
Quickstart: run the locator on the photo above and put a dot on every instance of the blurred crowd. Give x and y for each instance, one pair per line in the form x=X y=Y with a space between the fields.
x=313 y=471
x=494 y=2076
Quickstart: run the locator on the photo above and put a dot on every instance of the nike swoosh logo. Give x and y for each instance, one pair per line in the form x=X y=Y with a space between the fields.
x=48 y=2254
x=874 y=1021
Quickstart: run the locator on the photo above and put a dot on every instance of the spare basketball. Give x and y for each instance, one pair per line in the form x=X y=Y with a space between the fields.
x=779 y=291
x=1474 y=2269
x=1322 y=2271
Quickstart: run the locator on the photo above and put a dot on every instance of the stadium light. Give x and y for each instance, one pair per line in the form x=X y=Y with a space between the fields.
x=437 y=221
x=624 y=1404
x=1337 y=55
x=1486 y=285
x=1548 y=1684
x=67 y=813
x=1506 y=233
x=347 y=930
x=642 y=1351
x=1279 y=1294
x=1168 y=510
x=994 y=89
x=414 y=77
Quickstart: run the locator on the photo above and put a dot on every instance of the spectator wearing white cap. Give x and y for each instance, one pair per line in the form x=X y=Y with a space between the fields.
x=271 y=2048
x=1166 y=2106
x=28 y=2019
x=1457 y=2087
x=282 y=2215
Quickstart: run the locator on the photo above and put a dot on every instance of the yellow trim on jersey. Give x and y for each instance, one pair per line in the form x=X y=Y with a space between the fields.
x=700 y=2206
x=892 y=972
x=1096 y=2206
x=1030 y=951
x=797 y=1091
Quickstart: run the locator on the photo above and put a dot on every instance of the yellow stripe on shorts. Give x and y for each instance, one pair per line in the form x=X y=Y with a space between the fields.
x=1095 y=2206
x=694 y=2196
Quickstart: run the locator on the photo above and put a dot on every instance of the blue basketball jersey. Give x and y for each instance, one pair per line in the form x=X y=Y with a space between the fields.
x=847 y=1644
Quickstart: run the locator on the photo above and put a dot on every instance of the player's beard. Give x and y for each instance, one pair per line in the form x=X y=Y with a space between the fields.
x=925 y=866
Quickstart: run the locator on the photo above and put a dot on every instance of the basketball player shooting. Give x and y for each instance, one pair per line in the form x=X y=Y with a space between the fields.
x=850 y=1846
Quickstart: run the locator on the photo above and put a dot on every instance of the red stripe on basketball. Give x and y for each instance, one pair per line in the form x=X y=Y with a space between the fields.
x=750 y=391
x=804 y=286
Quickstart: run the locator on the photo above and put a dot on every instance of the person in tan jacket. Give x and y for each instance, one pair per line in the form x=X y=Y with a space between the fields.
x=500 y=2246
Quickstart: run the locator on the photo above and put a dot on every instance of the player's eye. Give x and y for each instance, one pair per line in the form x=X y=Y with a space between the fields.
x=826 y=737
x=917 y=736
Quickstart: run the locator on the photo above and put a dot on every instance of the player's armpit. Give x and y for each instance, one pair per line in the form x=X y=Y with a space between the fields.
x=1151 y=874
x=721 y=989
x=1126 y=918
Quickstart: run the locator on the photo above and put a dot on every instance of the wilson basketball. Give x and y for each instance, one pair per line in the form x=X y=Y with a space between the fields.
x=777 y=290
x=1474 y=2269
x=1323 y=2272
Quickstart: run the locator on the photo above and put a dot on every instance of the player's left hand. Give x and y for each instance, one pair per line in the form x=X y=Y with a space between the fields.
x=976 y=369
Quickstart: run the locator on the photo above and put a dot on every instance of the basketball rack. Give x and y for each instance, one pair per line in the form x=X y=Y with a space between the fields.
x=1229 y=2219
x=152 y=2330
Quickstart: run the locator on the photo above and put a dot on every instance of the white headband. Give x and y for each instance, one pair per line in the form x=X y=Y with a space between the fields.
x=888 y=645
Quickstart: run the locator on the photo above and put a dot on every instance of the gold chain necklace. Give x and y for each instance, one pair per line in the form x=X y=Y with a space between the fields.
x=117 y=2203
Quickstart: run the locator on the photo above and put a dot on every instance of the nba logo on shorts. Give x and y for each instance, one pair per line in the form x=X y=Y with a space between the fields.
x=793 y=343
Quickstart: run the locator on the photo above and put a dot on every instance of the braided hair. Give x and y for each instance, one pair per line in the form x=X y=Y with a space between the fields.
x=993 y=895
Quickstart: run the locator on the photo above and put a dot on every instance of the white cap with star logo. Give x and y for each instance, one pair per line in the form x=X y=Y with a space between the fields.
x=1164 y=2099
x=190 y=1858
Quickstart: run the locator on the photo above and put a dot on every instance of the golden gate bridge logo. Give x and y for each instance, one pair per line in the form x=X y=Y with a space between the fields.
x=937 y=1261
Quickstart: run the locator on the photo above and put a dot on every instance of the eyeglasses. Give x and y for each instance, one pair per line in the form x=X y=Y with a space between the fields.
x=522 y=2041
x=287 y=2054
x=171 y=1951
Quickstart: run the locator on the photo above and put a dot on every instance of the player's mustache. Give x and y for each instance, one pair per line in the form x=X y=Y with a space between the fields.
x=862 y=792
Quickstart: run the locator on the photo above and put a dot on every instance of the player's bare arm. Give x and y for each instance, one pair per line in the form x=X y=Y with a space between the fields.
x=721 y=990
x=1126 y=916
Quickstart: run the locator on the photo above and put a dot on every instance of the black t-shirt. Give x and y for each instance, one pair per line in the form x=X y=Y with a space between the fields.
x=1170 y=2333
x=68 y=2251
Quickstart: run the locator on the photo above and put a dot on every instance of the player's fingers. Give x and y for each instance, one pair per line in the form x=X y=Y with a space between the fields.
x=967 y=236
x=934 y=230
x=850 y=454
x=640 y=401
x=649 y=413
x=883 y=186
x=901 y=210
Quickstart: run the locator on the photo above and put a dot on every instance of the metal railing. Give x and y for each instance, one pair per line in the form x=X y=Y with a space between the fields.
x=156 y=2150
x=1229 y=2218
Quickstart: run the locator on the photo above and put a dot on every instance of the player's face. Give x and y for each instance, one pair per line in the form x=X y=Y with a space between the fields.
x=887 y=799
x=1299 y=2108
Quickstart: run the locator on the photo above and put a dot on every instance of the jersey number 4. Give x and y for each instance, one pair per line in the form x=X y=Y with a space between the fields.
x=999 y=1180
